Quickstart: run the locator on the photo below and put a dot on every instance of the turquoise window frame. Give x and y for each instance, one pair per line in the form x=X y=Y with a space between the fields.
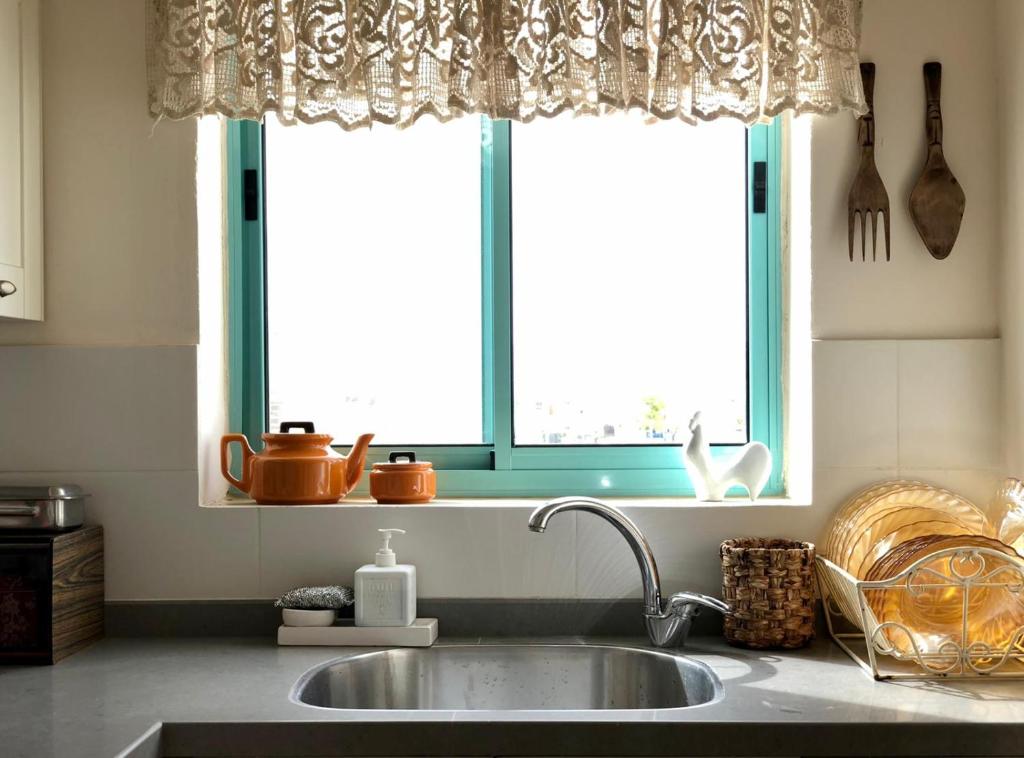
x=498 y=468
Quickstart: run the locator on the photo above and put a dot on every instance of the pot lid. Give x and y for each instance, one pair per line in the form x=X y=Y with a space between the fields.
x=44 y=492
x=402 y=461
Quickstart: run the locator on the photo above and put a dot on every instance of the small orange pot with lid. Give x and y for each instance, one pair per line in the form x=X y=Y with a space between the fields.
x=295 y=469
x=403 y=480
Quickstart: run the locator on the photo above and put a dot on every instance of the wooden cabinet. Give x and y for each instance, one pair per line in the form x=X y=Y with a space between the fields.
x=51 y=594
x=21 y=162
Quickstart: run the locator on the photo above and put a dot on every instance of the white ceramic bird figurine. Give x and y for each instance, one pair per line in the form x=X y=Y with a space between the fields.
x=749 y=468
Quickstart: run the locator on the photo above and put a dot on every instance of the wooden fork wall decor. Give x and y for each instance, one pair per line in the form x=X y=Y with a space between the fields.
x=868 y=197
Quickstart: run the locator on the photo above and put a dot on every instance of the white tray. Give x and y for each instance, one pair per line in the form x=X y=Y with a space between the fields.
x=422 y=633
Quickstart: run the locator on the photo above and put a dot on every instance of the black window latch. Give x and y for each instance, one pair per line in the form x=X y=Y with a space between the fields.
x=760 y=187
x=251 y=194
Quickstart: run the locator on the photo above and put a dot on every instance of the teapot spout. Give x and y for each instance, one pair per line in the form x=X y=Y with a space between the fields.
x=355 y=461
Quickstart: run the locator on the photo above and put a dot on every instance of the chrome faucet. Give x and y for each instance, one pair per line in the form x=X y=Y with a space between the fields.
x=668 y=622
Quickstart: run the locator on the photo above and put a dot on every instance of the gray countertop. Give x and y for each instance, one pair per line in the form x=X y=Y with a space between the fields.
x=221 y=697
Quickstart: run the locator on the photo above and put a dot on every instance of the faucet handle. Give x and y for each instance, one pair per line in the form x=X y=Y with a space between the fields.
x=671 y=627
x=689 y=603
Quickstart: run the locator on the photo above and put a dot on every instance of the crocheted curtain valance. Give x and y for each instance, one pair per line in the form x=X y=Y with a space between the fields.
x=359 y=62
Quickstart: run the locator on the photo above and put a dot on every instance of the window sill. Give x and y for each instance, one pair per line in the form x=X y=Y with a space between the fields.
x=528 y=503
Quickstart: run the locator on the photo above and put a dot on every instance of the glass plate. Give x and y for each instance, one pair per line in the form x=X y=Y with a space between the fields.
x=933 y=616
x=1006 y=512
x=889 y=530
x=887 y=565
x=839 y=528
x=907 y=495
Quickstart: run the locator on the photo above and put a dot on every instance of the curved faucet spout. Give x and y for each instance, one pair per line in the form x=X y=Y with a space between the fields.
x=667 y=625
x=637 y=542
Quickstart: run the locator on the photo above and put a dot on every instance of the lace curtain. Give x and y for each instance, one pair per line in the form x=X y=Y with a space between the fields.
x=356 y=62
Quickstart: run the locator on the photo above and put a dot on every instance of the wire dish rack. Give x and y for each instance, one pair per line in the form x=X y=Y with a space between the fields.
x=955 y=613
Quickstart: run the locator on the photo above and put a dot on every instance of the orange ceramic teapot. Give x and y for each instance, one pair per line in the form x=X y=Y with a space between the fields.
x=295 y=469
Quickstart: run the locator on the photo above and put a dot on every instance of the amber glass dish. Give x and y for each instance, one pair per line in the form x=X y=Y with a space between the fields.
x=929 y=606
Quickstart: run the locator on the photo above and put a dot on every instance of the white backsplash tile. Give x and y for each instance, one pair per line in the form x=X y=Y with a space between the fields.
x=457 y=551
x=685 y=538
x=685 y=542
x=855 y=404
x=883 y=409
x=834 y=486
x=158 y=542
x=949 y=405
x=98 y=408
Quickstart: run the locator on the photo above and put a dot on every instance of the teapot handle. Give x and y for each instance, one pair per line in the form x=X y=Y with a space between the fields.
x=247 y=454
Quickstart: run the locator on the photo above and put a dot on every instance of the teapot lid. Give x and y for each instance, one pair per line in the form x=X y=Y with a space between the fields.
x=309 y=435
x=306 y=426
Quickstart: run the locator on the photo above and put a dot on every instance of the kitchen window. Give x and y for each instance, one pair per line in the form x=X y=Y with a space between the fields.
x=538 y=309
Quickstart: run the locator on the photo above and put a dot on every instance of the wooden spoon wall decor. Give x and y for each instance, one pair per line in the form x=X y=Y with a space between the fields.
x=937 y=202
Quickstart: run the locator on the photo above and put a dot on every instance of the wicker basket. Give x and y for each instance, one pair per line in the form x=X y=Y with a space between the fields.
x=769 y=583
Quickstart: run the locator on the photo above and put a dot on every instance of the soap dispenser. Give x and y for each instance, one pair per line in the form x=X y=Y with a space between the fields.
x=385 y=589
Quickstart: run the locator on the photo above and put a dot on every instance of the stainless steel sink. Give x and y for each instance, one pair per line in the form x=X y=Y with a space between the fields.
x=509 y=677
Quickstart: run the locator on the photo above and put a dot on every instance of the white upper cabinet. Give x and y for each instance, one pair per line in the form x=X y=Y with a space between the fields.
x=21 y=179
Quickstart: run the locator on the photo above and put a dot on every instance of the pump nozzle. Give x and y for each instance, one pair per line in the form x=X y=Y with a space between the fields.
x=386 y=556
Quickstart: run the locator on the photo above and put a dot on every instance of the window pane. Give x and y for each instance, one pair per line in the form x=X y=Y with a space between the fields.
x=374 y=281
x=629 y=281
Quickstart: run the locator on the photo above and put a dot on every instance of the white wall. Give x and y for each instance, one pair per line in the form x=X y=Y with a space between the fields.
x=104 y=392
x=120 y=220
x=1010 y=74
x=914 y=295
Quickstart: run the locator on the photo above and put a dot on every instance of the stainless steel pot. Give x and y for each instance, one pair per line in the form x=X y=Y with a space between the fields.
x=54 y=508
